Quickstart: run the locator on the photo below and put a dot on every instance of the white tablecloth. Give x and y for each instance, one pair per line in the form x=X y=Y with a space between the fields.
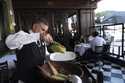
x=81 y=48
x=10 y=60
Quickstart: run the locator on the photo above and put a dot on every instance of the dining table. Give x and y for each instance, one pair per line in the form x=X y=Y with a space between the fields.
x=81 y=48
x=10 y=58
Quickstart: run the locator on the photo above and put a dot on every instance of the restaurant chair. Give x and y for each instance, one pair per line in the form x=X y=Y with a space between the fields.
x=99 y=55
x=100 y=77
x=106 y=49
x=4 y=72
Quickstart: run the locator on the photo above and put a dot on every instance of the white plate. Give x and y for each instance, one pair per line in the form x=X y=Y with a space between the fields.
x=67 y=56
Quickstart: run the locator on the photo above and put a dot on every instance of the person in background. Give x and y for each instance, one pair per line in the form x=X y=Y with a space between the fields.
x=108 y=37
x=82 y=39
x=97 y=41
x=31 y=53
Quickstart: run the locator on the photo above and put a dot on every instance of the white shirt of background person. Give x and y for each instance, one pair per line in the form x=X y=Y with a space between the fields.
x=97 y=41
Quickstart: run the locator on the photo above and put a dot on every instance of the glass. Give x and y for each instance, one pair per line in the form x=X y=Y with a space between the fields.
x=113 y=36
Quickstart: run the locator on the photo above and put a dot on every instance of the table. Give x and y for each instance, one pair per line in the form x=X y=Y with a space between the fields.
x=81 y=48
x=10 y=60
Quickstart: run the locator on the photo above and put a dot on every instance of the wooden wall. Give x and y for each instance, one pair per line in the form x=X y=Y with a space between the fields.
x=76 y=4
x=87 y=21
x=24 y=17
x=25 y=11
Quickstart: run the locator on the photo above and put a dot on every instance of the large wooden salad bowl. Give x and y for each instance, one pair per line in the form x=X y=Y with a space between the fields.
x=65 y=68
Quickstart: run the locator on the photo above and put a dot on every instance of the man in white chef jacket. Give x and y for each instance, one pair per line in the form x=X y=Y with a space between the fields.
x=31 y=51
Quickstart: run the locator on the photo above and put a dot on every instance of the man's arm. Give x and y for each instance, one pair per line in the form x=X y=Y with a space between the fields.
x=47 y=38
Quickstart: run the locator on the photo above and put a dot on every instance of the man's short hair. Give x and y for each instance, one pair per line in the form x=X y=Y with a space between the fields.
x=95 y=34
x=40 y=20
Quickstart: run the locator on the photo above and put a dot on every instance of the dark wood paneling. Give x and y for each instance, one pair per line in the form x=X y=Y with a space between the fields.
x=53 y=4
x=54 y=10
x=87 y=20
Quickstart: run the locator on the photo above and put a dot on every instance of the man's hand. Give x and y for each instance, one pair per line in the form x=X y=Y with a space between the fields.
x=47 y=38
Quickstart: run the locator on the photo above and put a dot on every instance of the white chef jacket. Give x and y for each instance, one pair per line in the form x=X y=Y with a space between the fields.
x=17 y=40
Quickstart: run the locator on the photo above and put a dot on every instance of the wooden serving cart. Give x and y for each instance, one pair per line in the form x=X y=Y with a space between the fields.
x=71 y=68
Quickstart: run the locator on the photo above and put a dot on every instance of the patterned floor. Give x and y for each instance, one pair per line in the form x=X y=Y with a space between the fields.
x=112 y=73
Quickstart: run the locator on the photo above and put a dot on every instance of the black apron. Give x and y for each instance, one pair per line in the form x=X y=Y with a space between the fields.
x=28 y=58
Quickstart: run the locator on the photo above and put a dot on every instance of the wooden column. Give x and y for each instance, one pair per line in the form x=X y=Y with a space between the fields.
x=86 y=21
